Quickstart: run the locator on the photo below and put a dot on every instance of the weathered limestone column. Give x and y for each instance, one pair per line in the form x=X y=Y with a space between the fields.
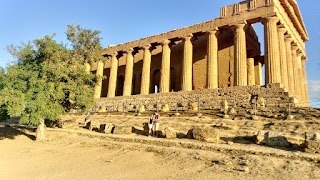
x=127 y=88
x=251 y=72
x=300 y=78
x=113 y=75
x=272 y=50
x=258 y=71
x=187 y=64
x=87 y=67
x=99 y=74
x=240 y=55
x=145 y=79
x=295 y=70
x=283 y=58
x=305 y=82
x=288 y=41
x=165 y=67
x=213 y=59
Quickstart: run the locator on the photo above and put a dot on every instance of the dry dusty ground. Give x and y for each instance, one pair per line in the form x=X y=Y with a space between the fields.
x=72 y=156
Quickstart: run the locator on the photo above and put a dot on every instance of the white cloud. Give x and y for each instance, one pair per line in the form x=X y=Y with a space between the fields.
x=314 y=93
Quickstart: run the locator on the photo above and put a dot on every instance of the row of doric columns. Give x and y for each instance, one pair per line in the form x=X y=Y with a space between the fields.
x=284 y=63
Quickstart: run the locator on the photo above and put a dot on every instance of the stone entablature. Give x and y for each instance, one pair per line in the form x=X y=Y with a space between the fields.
x=224 y=51
x=286 y=10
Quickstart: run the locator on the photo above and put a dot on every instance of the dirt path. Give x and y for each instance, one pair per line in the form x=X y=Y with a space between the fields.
x=71 y=156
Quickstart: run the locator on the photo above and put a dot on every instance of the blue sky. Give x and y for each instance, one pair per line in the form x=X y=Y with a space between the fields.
x=125 y=20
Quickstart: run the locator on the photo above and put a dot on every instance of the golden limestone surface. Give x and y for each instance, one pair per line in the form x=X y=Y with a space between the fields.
x=220 y=53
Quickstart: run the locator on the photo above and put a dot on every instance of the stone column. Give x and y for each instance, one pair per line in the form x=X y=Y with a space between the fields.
x=113 y=75
x=272 y=50
x=212 y=59
x=145 y=79
x=87 y=67
x=99 y=74
x=258 y=71
x=187 y=64
x=251 y=73
x=295 y=70
x=127 y=88
x=283 y=58
x=305 y=82
x=165 y=67
x=240 y=56
x=288 y=41
x=299 y=77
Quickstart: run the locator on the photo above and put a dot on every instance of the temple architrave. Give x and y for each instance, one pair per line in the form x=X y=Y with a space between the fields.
x=220 y=53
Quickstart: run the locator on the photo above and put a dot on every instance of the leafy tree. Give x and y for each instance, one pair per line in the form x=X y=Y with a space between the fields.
x=48 y=79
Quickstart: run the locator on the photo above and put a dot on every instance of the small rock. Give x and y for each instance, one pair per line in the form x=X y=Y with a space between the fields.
x=141 y=109
x=246 y=169
x=226 y=116
x=120 y=109
x=170 y=133
x=102 y=109
x=230 y=142
x=165 y=108
x=290 y=117
x=232 y=111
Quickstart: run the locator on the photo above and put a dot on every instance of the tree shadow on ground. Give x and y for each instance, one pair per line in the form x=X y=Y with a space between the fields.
x=8 y=132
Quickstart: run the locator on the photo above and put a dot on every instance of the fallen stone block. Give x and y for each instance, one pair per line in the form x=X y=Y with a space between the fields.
x=312 y=142
x=94 y=124
x=69 y=124
x=170 y=133
x=206 y=133
x=122 y=130
x=108 y=128
x=271 y=138
x=193 y=106
x=190 y=134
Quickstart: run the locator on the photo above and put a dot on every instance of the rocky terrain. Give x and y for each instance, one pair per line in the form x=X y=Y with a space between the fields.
x=270 y=147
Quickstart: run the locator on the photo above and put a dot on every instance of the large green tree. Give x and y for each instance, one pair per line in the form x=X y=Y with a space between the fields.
x=48 y=79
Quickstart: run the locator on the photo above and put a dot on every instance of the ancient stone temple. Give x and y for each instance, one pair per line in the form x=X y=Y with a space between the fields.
x=223 y=53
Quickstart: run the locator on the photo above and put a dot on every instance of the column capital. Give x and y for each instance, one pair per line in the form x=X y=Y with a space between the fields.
x=294 y=48
x=299 y=53
x=282 y=30
x=214 y=32
x=188 y=37
x=273 y=19
x=240 y=25
x=304 y=59
x=114 y=54
x=288 y=39
x=165 y=42
x=128 y=51
x=146 y=47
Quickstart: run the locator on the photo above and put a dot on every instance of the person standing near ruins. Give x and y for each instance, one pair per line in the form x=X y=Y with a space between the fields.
x=150 y=125
x=156 y=123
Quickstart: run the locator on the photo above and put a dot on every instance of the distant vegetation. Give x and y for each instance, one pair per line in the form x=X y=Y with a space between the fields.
x=49 y=79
